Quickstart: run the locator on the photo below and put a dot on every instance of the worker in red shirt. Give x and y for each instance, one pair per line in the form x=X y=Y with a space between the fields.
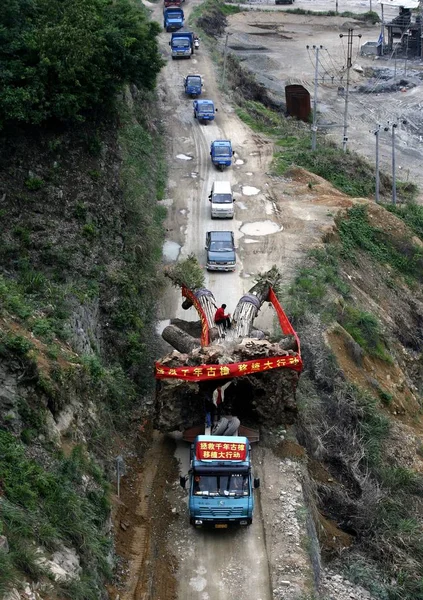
x=221 y=319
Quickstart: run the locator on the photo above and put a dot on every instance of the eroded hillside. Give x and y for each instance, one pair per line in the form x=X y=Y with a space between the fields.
x=357 y=303
x=81 y=235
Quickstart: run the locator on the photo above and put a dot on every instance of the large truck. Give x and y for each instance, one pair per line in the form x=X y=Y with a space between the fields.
x=173 y=18
x=182 y=44
x=221 y=483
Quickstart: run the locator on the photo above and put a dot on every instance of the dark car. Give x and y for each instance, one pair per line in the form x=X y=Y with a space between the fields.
x=220 y=248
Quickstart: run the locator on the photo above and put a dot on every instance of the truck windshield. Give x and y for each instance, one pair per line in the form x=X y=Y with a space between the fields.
x=194 y=81
x=228 y=484
x=221 y=247
x=222 y=199
x=206 y=108
x=222 y=151
x=180 y=43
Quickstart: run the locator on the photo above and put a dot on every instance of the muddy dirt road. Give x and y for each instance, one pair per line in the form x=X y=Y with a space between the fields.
x=269 y=228
x=276 y=221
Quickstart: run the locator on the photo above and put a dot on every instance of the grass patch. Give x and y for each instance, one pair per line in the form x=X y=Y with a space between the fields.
x=411 y=213
x=365 y=329
x=210 y=16
x=368 y=17
x=357 y=233
x=309 y=291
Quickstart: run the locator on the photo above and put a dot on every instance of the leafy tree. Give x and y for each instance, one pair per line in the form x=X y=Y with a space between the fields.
x=61 y=58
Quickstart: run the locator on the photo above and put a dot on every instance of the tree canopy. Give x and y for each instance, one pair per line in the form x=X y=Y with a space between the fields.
x=61 y=58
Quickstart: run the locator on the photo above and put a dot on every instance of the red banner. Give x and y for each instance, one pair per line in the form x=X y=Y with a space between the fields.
x=205 y=338
x=286 y=326
x=248 y=367
x=220 y=451
x=210 y=372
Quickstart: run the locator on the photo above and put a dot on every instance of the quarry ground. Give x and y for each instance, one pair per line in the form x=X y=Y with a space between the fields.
x=273 y=45
x=276 y=222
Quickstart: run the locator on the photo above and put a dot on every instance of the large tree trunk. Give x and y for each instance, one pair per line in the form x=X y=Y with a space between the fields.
x=181 y=341
x=249 y=305
x=266 y=397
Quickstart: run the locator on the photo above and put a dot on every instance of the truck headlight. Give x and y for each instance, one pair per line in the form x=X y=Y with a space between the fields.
x=198 y=522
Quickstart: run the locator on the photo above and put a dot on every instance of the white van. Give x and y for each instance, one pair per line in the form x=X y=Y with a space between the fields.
x=222 y=200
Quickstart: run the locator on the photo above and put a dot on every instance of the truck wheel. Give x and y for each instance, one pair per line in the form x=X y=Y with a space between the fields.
x=220 y=426
x=195 y=116
x=233 y=426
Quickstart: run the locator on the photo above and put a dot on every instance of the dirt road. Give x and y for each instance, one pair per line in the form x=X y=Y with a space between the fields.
x=276 y=221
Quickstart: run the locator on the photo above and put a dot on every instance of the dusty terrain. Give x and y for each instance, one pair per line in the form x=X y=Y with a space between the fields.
x=274 y=47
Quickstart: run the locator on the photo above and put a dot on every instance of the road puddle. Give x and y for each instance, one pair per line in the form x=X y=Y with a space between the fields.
x=249 y=190
x=170 y=251
x=198 y=583
x=183 y=157
x=260 y=228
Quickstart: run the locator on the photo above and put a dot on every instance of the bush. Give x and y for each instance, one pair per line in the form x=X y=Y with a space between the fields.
x=60 y=59
x=49 y=507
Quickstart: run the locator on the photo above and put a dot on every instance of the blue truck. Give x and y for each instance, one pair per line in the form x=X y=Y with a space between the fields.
x=221 y=153
x=193 y=85
x=173 y=18
x=204 y=110
x=221 y=483
x=182 y=44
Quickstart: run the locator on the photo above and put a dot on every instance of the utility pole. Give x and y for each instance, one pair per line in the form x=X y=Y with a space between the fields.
x=376 y=132
x=336 y=7
x=406 y=55
x=347 y=89
x=394 y=180
x=316 y=77
x=224 y=60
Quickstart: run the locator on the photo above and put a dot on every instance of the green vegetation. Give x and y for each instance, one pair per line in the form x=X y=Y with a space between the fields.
x=15 y=343
x=187 y=272
x=368 y=17
x=34 y=183
x=143 y=180
x=348 y=172
x=364 y=328
x=357 y=233
x=308 y=292
x=92 y=248
x=58 y=60
x=43 y=506
x=411 y=213
x=210 y=16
